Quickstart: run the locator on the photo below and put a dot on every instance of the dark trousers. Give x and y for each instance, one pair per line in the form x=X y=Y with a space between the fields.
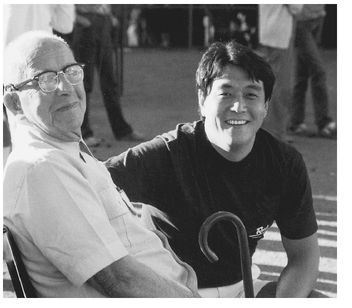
x=93 y=46
x=276 y=121
x=309 y=67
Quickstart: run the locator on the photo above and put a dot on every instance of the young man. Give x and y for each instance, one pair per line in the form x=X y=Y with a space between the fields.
x=227 y=162
x=78 y=236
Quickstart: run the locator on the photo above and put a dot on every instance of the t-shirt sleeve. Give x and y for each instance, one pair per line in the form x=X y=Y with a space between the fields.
x=142 y=171
x=296 y=218
x=129 y=173
x=68 y=222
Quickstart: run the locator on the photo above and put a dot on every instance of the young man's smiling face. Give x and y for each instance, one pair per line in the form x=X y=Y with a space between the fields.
x=234 y=110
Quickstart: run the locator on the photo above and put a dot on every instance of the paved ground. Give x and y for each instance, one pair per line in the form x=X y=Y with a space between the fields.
x=159 y=92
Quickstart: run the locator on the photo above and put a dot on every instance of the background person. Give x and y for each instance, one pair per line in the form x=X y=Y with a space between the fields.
x=227 y=162
x=19 y=18
x=276 y=32
x=92 y=44
x=310 y=68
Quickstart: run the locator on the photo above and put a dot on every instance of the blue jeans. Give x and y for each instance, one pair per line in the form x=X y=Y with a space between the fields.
x=309 y=67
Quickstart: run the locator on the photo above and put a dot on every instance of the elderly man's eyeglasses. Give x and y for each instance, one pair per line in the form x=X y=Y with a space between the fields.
x=48 y=81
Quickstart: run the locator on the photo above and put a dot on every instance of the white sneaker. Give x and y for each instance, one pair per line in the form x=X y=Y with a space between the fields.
x=329 y=130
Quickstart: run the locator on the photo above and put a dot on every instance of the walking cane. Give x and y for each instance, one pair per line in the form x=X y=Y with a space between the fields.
x=242 y=241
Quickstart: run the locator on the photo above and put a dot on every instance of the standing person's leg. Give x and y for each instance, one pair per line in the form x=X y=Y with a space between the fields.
x=84 y=49
x=319 y=83
x=300 y=84
x=276 y=121
x=109 y=83
x=310 y=50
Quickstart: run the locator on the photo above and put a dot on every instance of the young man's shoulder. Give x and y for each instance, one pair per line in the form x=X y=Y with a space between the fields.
x=182 y=133
x=157 y=151
x=278 y=149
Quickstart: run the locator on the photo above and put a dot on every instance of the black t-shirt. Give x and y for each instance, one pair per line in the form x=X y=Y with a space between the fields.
x=181 y=173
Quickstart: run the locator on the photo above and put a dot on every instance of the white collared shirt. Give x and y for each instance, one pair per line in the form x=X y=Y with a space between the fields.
x=276 y=24
x=70 y=221
x=20 y=18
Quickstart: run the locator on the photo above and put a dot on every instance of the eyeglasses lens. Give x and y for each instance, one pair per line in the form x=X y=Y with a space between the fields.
x=74 y=74
x=48 y=81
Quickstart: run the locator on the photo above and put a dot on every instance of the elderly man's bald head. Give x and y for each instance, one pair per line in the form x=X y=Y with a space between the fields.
x=22 y=53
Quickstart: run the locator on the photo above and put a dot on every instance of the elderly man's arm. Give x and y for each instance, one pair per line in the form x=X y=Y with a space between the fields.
x=300 y=274
x=130 y=278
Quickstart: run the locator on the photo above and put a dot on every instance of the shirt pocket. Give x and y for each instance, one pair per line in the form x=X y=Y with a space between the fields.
x=113 y=203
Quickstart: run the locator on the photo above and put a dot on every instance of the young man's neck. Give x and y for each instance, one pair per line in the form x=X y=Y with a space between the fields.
x=234 y=154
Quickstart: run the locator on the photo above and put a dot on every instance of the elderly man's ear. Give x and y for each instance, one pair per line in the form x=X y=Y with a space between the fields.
x=13 y=103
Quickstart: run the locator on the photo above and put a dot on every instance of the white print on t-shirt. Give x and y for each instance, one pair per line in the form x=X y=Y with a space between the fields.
x=260 y=232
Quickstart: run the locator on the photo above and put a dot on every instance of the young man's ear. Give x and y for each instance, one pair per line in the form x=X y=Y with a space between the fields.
x=201 y=99
x=13 y=103
x=266 y=106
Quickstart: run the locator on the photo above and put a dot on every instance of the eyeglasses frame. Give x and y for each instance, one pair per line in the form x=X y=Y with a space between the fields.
x=11 y=87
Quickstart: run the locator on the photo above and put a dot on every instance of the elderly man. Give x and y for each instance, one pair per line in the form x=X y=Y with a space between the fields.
x=79 y=236
x=227 y=162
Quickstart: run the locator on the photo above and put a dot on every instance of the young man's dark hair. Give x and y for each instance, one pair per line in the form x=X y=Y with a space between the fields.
x=219 y=55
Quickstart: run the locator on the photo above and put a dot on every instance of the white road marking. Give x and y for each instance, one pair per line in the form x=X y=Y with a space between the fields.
x=326 y=232
x=275 y=236
x=277 y=274
x=326 y=198
x=278 y=258
x=327 y=223
x=326 y=214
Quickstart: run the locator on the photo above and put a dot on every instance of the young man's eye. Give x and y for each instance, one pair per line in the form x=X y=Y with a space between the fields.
x=225 y=94
x=251 y=96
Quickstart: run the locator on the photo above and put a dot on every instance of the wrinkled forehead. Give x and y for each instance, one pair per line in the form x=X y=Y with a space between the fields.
x=48 y=54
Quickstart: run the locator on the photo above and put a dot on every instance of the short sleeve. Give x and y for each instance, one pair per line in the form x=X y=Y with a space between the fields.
x=142 y=171
x=296 y=218
x=68 y=223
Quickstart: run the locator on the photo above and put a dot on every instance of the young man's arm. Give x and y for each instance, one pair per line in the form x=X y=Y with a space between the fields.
x=130 y=278
x=300 y=274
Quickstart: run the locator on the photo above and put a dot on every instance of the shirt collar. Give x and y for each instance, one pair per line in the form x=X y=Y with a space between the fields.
x=25 y=134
